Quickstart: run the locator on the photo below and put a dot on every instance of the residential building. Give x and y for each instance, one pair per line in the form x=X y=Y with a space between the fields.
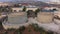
x=50 y=8
x=3 y=4
x=17 y=9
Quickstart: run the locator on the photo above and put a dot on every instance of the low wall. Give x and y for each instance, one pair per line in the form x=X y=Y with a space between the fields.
x=16 y=26
x=15 y=20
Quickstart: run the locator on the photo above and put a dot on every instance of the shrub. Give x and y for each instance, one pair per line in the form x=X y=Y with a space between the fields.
x=11 y=29
x=18 y=32
x=41 y=29
x=35 y=26
x=50 y=32
x=24 y=9
x=0 y=23
x=29 y=30
x=22 y=28
x=5 y=32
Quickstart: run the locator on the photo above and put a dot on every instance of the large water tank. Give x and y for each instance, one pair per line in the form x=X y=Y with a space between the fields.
x=15 y=20
x=45 y=17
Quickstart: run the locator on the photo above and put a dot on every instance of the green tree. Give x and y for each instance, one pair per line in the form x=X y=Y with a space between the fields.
x=9 y=9
x=36 y=11
x=3 y=9
x=24 y=9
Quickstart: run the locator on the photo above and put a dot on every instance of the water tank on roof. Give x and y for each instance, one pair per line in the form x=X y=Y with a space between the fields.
x=15 y=20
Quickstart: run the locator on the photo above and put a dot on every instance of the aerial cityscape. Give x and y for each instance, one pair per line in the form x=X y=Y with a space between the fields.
x=29 y=16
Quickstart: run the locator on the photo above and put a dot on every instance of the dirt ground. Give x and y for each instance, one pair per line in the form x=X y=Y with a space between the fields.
x=28 y=30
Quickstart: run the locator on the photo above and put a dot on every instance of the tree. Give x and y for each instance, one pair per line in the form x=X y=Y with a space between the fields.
x=9 y=9
x=36 y=11
x=0 y=23
x=3 y=9
x=55 y=9
x=24 y=9
x=30 y=13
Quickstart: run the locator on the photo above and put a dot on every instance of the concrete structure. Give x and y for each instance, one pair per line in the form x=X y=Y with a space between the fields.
x=31 y=8
x=15 y=20
x=17 y=9
x=45 y=17
x=51 y=8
